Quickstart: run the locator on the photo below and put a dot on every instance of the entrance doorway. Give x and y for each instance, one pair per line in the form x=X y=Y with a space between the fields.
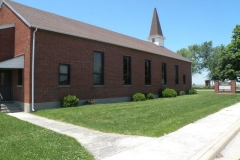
x=6 y=84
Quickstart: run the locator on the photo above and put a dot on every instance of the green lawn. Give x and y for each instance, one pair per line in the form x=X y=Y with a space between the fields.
x=149 y=118
x=21 y=140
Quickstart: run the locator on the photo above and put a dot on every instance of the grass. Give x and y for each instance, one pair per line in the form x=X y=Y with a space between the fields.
x=21 y=140
x=151 y=118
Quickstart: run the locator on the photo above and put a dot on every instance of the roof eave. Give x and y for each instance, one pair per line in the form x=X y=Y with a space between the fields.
x=14 y=63
x=156 y=36
x=19 y=15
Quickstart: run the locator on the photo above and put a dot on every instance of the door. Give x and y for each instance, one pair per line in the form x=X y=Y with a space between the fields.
x=6 y=84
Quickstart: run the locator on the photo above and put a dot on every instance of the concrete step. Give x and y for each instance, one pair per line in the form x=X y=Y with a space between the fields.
x=9 y=107
x=10 y=111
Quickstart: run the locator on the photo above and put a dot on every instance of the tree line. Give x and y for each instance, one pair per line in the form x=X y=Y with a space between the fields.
x=220 y=62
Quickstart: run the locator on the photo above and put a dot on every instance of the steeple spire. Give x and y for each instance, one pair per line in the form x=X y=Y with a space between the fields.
x=156 y=35
x=1 y=1
x=155 y=28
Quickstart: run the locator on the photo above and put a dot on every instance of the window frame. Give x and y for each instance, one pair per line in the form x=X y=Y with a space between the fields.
x=176 y=75
x=60 y=74
x=164 y=73
x=128 y=74
x=147 y=72
x=102 y=70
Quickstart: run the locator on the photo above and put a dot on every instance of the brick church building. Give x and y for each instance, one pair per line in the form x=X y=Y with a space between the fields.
x=44 y=56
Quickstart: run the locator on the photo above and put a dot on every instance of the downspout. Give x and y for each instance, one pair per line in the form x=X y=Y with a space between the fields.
x=33 y=63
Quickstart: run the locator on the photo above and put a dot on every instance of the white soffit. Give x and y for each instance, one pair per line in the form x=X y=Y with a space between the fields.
x=7 y=26
x=15 y=63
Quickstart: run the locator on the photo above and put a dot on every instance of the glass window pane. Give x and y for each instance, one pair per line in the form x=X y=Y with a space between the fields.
x=127 y=70
x=125 y=65
x=97 y=62
x=147 y=72
x=20 y=76
x=164 y=73
x=63 y=69
x=97 y=79
x=63 y=79
x=176 y=74
x=127 y=79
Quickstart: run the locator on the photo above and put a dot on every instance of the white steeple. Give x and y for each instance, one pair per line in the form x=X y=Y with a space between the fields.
x=156 y=35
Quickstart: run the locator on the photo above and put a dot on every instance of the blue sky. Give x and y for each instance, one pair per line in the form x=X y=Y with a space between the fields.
x=183 y=23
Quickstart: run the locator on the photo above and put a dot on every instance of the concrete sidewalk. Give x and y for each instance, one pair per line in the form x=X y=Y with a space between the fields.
x=232 y=150
x=202 y=139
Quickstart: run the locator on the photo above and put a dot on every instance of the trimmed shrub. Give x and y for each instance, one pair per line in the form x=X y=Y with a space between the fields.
x=192 y=91
x=69 y=101
x=181 y=93
x=139 y=97
x=150 y=96
x=169 y=93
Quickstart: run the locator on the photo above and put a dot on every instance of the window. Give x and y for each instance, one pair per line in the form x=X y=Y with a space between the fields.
x=98 y=68
x=126 y=70
x=20 y=77
x=64 y=74
x=153 y=40
x=176 y=74
x=164 y=73
x=184 y=79
x=147 y=72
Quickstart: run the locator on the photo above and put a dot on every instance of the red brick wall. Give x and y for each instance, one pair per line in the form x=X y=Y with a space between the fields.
x=22 y=45
x=53 y=48
x=18 y=93
x=7 y=43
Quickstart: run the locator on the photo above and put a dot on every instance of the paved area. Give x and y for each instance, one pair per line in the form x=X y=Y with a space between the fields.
x=189 y=142
x=100 y=144
x=232 y=150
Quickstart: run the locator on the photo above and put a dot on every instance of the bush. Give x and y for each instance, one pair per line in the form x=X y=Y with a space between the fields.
x=181 y=93
x=150 y=96
x=69 y=101
x=139 y=97
x=192 y=91
x=169 y=93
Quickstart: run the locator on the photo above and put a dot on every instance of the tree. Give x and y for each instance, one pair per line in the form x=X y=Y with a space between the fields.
x=221 y=63
x=215 y=64
x=200 y=55
x=229 y=66
x=190 y=54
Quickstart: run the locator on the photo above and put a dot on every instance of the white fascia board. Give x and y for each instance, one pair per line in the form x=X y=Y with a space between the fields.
x=21 y=17
x=7 y=26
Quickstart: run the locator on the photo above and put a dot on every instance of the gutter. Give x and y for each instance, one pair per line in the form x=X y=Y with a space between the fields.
x=33 y=63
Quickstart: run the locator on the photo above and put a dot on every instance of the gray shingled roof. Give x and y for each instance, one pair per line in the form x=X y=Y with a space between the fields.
x=52 y=22
x=156 y=27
